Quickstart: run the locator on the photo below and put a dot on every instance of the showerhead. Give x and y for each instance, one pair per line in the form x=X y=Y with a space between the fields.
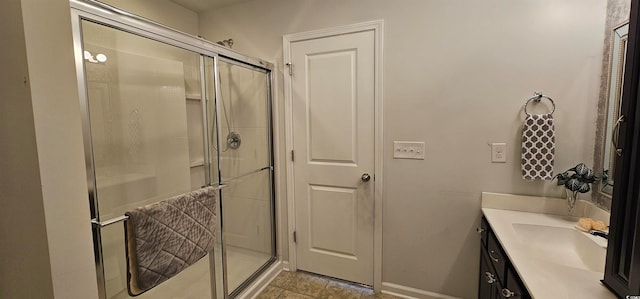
x=226 y=43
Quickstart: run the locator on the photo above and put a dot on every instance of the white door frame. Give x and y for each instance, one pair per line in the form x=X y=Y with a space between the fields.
x=377 y=27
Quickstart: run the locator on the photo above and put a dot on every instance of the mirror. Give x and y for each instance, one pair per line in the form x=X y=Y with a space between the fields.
x=614 y=100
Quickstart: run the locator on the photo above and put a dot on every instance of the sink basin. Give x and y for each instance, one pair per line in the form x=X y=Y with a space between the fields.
x=562 y=246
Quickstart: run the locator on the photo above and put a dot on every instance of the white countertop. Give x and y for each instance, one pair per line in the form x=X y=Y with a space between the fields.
x=544 y=276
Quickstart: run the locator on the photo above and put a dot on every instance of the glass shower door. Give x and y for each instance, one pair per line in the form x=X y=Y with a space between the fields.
x=144 y=122
x=160 y=120
x=246 y=168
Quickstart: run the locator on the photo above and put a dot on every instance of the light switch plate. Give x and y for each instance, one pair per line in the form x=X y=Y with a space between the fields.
x=408 y=150
x=498 y=152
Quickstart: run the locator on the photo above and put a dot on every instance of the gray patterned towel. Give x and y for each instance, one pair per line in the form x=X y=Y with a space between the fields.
x=538 y=147
x=166 y=237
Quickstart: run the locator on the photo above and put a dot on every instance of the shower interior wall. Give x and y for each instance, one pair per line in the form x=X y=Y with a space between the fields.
x=247 y=201
x=141 y=150
x=244 y=93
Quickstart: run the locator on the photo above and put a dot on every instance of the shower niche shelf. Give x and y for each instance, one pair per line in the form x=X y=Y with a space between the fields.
x=194 y=97
x=197 y=163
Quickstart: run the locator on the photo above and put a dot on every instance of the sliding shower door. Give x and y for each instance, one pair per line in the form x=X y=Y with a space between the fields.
x=164 y=114
x=246 y=167
x=144 y=118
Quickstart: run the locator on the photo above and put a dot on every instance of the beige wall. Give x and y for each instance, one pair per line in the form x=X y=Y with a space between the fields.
x=161 y=11
x=22 y=226
x=456 y=75
x=47 y=247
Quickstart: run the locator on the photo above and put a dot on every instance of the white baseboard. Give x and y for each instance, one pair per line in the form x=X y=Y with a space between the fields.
x=262 y=282
x=411 y=293
x=285 y=266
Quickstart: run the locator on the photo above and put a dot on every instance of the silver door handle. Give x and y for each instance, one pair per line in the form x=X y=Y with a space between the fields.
x=365 y=177
x=495 y=259
x=490 y=277
x=508 y=293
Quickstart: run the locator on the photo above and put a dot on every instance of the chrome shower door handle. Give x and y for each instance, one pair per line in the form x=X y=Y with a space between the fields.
x=365 y=177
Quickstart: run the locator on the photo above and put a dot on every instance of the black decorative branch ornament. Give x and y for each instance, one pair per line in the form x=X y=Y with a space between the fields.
x=576 y=180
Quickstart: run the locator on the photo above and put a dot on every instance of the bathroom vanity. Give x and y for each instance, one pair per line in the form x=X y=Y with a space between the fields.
x=498 y=278
x=529 y=250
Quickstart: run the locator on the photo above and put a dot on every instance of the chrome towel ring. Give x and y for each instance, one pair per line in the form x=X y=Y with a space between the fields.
x=537 y=97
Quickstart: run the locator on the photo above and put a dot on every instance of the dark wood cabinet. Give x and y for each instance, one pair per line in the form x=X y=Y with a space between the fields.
x=622 y=270
x=489 y=286
x=497 y=257
x=515 y=288
x=497 y=277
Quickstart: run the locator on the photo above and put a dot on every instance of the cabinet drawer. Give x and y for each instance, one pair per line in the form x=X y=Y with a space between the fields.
x=497 y=257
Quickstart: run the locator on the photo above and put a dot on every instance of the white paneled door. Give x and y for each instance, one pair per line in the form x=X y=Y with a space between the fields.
x=333 y=105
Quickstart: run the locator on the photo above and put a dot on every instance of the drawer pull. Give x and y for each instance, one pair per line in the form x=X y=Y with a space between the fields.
x=490 y=277
x=508 y=293
x=495 y=259
x=480 y=230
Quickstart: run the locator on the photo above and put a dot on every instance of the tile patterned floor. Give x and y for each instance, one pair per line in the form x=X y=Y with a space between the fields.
x=302 y=285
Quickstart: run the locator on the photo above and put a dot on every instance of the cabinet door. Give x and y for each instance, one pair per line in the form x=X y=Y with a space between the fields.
x=484 y=232
x=622 y=271
x=487 y=278
x=514 y=287
x=497 y=257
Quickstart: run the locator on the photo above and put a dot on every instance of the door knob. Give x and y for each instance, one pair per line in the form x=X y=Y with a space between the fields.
x=365 y=177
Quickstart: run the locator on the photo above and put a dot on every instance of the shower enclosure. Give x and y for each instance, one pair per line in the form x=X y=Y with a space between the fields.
x=165 y=113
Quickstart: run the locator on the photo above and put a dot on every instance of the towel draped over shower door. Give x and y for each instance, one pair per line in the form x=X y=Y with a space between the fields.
x=166 y=237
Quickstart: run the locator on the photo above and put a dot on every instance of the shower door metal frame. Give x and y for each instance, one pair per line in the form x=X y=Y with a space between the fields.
x=96 y=12
x=270 y=167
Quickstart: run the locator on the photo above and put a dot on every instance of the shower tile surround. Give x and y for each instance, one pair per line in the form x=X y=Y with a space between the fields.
x=305 y=285
x=141 y=150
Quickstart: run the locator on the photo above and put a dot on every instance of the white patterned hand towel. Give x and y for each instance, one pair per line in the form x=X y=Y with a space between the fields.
x=538 y=147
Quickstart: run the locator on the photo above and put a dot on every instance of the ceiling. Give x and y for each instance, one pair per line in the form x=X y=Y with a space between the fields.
x=204 y=5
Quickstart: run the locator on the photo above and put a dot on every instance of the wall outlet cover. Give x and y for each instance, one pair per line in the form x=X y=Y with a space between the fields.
x=498 y=152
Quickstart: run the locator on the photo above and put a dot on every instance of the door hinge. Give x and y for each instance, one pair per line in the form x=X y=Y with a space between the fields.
x=293 y=156
x=290 y=66
x=295 y=238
